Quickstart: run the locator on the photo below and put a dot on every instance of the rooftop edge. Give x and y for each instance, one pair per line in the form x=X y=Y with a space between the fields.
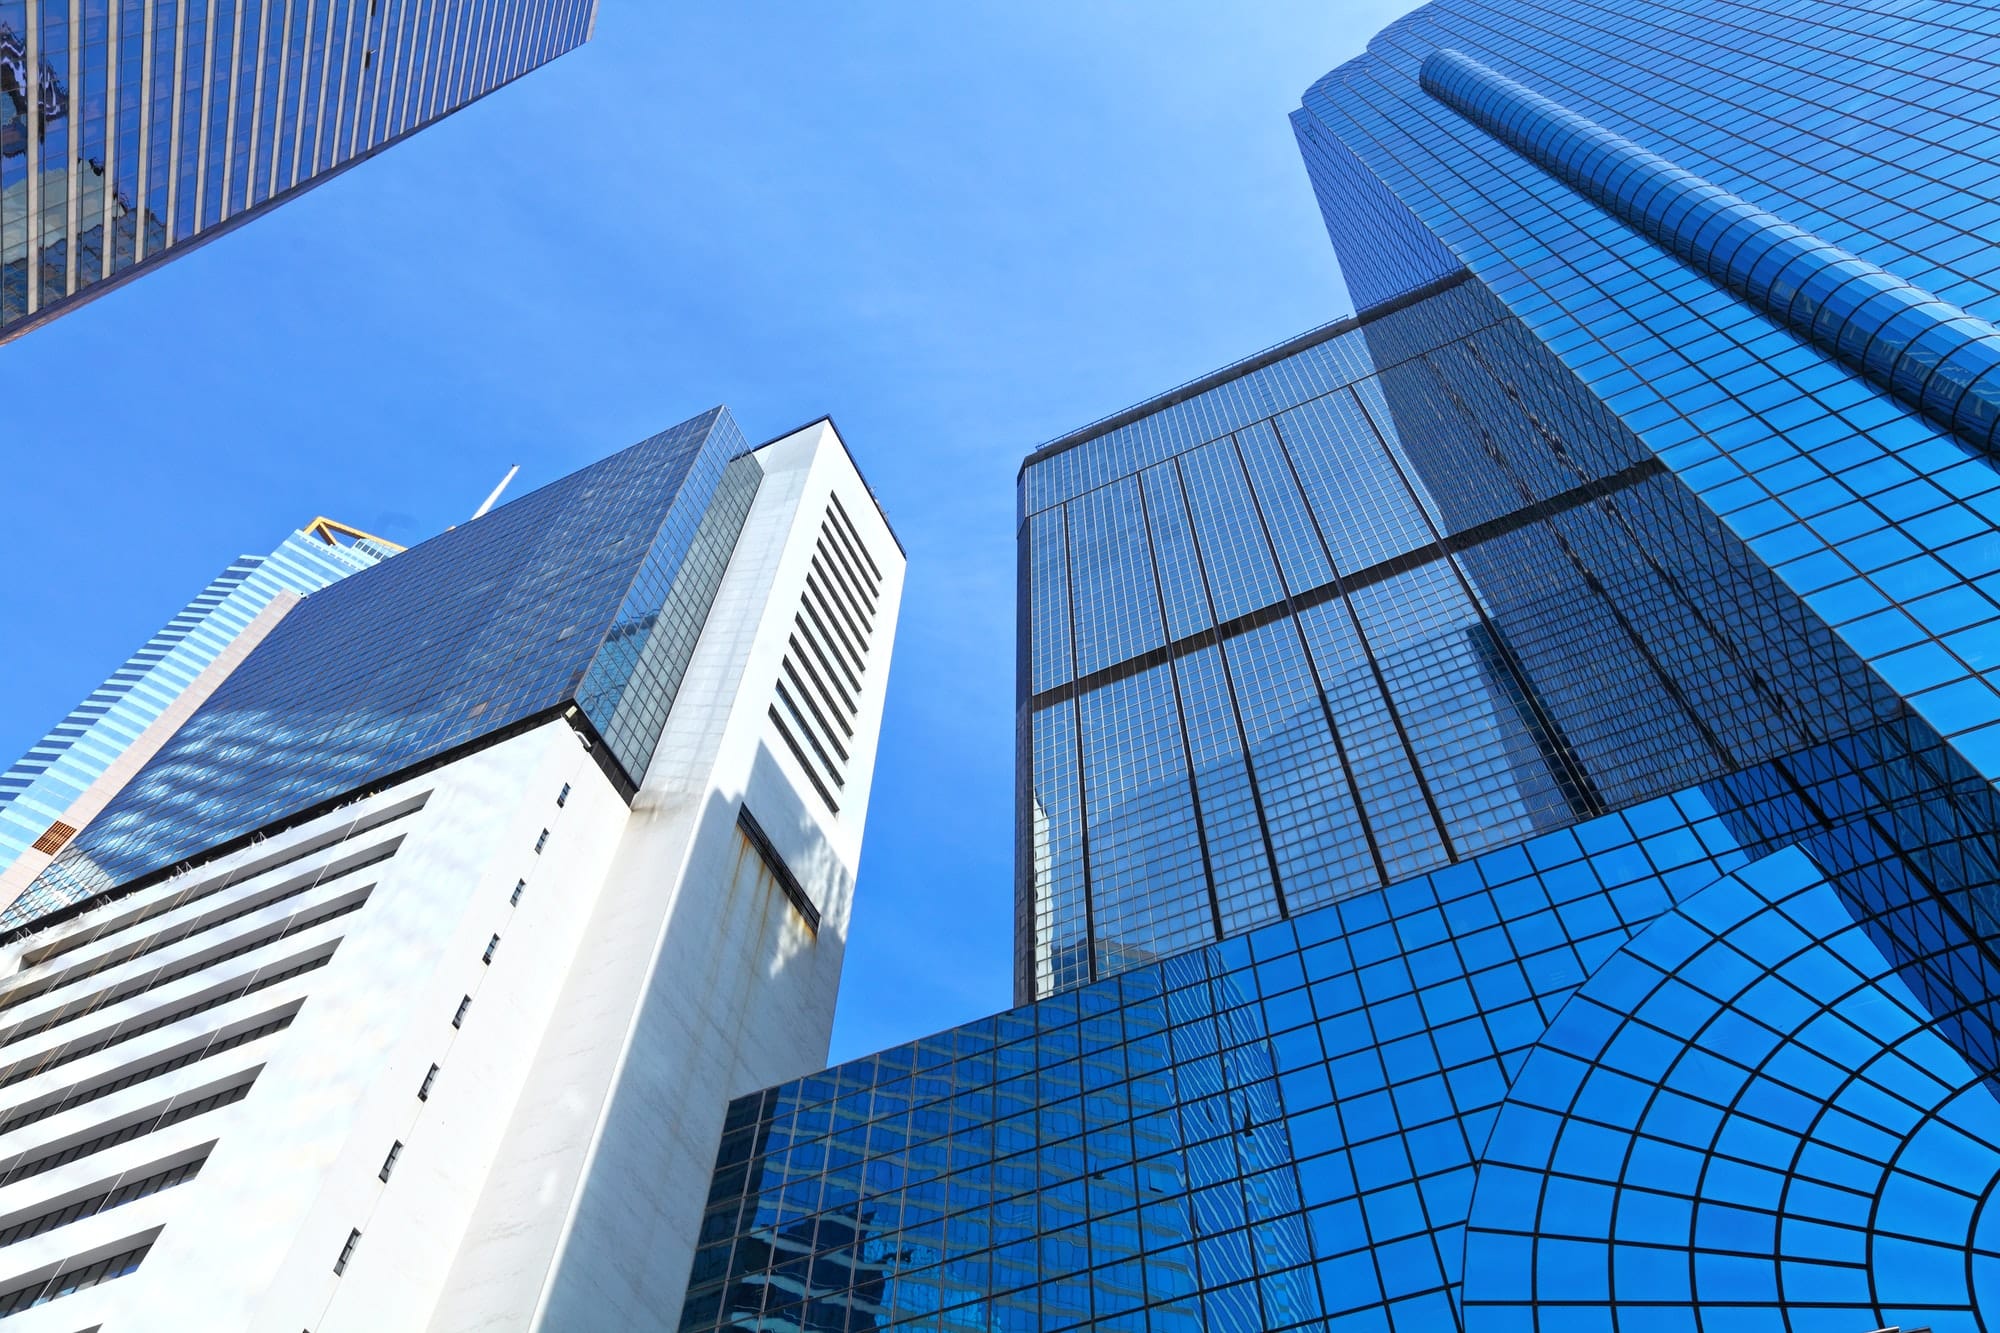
x=1236 y=369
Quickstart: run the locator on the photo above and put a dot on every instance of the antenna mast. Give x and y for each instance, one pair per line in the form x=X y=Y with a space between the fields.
x=481 y=512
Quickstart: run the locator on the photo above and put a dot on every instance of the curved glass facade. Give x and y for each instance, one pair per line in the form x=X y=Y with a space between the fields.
x=1933 y=356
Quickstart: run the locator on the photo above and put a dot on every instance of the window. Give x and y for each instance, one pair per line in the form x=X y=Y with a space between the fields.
x=424 y=1089
x=347 y=1251
x=541 y=842
x=389 y=1162
x=514 y=898
x=491 y=945
x=458 y=1019
x=562 y=797
x=754 y=834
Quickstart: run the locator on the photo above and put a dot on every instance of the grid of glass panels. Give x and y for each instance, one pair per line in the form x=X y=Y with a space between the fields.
x=1862 y=126
x=1431 y=611
x=130 y=127
x=583 y=590
x=1606 y=1065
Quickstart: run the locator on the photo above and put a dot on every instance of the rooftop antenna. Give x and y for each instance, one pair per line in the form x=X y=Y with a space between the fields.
x=481 y=512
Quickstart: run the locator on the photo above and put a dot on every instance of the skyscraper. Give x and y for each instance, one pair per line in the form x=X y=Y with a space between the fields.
x=407 y=984
x=132 y=129
x=1507 y=834
x=44 y=797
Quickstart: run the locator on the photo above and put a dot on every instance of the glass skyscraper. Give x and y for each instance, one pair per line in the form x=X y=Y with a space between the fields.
x=582 y=590
x=37 y=791
x=1507 y=830
x=130 y=129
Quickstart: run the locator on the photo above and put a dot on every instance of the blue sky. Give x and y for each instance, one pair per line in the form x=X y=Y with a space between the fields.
x=961 y=229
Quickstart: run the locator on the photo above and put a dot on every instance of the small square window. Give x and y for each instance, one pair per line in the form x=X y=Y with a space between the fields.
x=347 y=1251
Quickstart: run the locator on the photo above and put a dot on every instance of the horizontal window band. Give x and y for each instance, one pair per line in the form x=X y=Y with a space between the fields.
x=103 y=1199
x=297 y=923
x=283 y=892
x=74 y=1051
x=207 y=887
x=1624 y=479
x=83 y=1095
x=775 y=863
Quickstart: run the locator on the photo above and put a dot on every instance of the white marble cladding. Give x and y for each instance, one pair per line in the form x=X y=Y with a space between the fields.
x=209 y=1076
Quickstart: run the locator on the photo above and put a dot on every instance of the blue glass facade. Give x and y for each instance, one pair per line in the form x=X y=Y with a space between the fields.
x=39 y=787
x=587 y=593
x=129 y=128
x=1466 y=886
x=1845 y=131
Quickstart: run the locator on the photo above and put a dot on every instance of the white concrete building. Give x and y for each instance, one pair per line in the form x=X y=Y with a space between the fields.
x=455 y=1055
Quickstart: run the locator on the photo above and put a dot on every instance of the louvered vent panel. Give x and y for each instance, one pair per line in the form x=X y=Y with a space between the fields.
x=814 y=705
x=52 y=841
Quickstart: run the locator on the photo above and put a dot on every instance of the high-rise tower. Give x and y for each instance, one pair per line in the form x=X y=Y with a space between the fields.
x=1507 y=824
x=407 y=984
x=133 y=129
x=68 y=775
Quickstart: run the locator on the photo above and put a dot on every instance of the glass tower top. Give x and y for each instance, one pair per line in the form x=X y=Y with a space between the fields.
x=40 y=786
x=129 y=128
x=587 y=593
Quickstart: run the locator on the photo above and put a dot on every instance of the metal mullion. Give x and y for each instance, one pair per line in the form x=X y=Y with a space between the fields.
x=72 y=203
x=299 y=121
x=1229 y=680
x=33 y=80
x=174 y=126
x=276 y=110
x=109 y=193
x=1368 y=653
x=320 y=105
x=1180 y=713
x=340 y=85
x=202 y=117
x=139 y=203
x=1082 y=785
